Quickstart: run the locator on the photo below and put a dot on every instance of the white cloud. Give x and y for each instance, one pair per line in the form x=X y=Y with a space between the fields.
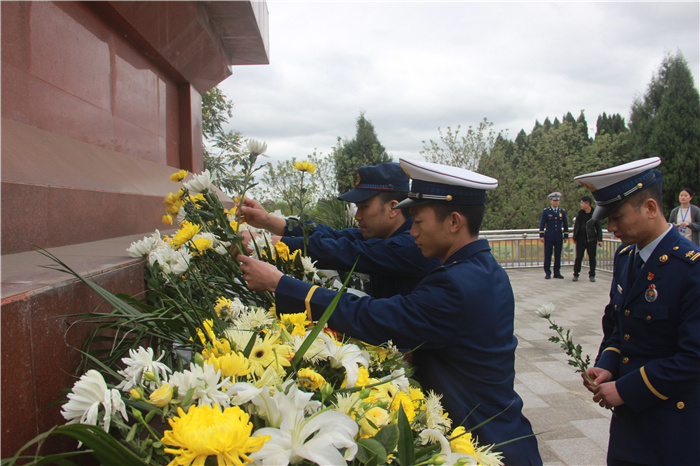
x=416 y=66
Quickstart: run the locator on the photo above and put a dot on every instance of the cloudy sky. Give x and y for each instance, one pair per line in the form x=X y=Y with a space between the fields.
x=414 y=67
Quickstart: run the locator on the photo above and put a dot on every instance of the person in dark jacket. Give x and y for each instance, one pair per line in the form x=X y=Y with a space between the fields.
x=648 y=366
x=459 y=319
x=588 y=234
x=381 y=245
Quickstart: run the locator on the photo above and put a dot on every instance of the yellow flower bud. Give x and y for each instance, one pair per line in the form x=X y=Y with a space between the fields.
x=168 y=219
x=136 y=394
x=162 y=395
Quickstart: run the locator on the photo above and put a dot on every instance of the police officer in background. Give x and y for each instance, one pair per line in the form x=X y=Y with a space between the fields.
x=459 y=318
x=648 y=367
x=554 y=229
x=382 y=245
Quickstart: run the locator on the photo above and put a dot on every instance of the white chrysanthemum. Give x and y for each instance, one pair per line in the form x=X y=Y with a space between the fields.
x=256 y=147
x=171 y=261
x=86 y=397
x=316 y=353
x=254 y=318
x=347 y=402
x=259 y=242
x=181 y=215
x=143 y=247
x=140 y=362
x=435 y=417
x=205 y=383
x=238 y=337
x=446 y=455
x=199 y=183
x=309 y=269
x=545 y=311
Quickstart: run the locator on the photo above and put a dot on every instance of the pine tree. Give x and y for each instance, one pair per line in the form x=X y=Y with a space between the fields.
x=364 y=150
x=666 y=124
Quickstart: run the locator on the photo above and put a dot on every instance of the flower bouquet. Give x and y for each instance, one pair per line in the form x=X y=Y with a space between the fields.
x=201 y=369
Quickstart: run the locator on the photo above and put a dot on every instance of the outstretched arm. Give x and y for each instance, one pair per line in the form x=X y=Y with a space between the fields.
x=255 y=215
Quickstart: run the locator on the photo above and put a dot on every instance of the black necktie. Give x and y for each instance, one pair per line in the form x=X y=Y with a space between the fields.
x=638 y=264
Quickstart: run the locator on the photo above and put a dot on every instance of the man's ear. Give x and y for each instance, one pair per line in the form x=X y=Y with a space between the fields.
x=652 y=207
x=393 y=212
x=457 y=222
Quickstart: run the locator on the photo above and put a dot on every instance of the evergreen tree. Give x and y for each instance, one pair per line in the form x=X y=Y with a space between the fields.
x=364 y=150
x=666 y=124
x=582 y=125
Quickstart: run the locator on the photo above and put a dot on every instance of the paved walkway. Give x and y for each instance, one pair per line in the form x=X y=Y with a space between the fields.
x=571 y=428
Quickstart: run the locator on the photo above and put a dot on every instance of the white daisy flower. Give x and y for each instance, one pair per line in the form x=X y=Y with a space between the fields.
x=140 y=362
x=545 y=311
x=255 y=317
x=86 y=397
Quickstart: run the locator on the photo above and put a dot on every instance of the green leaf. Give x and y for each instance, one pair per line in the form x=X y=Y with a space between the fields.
x=371 y=452
x=388 y=436
x=406 y=453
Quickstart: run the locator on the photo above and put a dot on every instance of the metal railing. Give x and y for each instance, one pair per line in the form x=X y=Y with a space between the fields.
x=522 y=248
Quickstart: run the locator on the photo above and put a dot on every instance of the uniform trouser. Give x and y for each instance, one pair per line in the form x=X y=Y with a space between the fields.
x=548 y=247
x=590 y=248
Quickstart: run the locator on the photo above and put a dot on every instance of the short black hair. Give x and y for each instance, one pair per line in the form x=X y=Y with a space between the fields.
x=473 y=213
x=688 y=190
x=652 y=192
x=388 y=196
x=587 y=199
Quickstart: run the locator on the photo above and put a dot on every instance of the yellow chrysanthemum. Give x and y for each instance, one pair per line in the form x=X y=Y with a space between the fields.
x=201 y=244
x=298 y=320
x=187 y=232
x=417 y=397
x=362 y=378
x=269 y=353
x=205 y=431
x=174 y=202
x=231 y=364
x=305 y=167
x=234 y=225
x=178 y=176
x=461 y=442
x=281 y=251
x=311 y=379
x=403 y=400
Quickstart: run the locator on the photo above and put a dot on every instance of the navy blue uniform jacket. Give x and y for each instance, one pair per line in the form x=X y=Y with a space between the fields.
x=554 y=227
x=460 y=319
x=395 y=265
x=652 y=348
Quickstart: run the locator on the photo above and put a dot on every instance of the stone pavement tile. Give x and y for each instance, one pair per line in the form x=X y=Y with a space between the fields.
x=570 y=407
x=597 y=430
x=530 y=334
x=549 y=425
x=540 y=383
x=559 y=371
x=548 y=455
x=579 y=451
x=530 y=399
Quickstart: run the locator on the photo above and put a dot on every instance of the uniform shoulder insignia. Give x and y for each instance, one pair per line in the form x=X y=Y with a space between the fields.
x=626 y=249
x=689 y=253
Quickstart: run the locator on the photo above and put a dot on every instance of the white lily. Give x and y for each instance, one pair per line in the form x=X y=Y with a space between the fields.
x=137 y=364
x=242 y=392
x=349 y=356
x=317 y=438
x=84 y=401
x=199 y=183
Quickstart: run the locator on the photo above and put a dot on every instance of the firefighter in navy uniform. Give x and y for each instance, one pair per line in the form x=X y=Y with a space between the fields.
x=648 y=367
x=459 y=318
x=554 y=229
